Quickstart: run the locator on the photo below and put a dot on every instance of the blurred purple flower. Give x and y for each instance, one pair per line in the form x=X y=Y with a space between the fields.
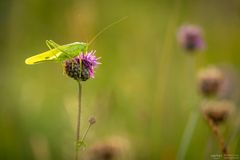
x=190 y=37
x=82 y=67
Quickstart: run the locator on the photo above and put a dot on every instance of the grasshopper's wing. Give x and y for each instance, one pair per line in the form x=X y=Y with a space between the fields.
x=45 y=56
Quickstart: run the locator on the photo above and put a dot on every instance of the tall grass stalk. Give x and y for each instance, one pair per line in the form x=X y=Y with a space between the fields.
x=234 y=135
x=78 y=120
x=193 y=118
x=187 y=135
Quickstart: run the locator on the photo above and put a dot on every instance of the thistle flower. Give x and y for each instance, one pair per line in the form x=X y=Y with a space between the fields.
x=190 y=37
x=210 y=81
x=81 y=67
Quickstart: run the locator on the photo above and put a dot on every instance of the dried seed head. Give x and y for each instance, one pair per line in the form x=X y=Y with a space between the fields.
x=103 y=152
x=217 y=111
x=190 y=38
x=92 y=120
x=210 y=81
x=115 y=148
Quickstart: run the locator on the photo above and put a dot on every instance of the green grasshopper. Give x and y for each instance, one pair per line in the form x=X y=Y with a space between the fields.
x=60 y=53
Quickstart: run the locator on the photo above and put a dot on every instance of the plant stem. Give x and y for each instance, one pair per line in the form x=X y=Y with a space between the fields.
x=78 y=119
x=234 y=134
x=193 y=118
x=187 y=135
x=86 y=132
x=219 y=136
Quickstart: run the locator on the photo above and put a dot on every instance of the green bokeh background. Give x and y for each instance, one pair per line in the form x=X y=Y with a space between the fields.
x=143 y=91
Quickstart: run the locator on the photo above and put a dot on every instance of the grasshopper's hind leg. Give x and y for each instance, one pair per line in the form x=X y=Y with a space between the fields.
x=49 y=44
x=57 y=46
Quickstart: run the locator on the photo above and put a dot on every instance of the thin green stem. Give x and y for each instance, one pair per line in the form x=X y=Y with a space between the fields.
x=78 y=119
x=234 y=134
x=86 y=132
x=187 y=135
x=192 y=120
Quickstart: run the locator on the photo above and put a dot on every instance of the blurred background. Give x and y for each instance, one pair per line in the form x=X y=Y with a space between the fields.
x=143 y=92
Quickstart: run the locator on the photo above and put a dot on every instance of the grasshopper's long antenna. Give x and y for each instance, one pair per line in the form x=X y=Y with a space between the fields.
x=106 y=28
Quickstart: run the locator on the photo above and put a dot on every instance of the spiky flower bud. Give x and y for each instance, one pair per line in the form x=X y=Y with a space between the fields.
x=81 y=67
x=210 y=81
x=190 y=37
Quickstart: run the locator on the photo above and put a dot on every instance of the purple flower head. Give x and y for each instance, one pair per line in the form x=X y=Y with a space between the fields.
x=190 y=37
x=82 y=66
x=89 y=62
